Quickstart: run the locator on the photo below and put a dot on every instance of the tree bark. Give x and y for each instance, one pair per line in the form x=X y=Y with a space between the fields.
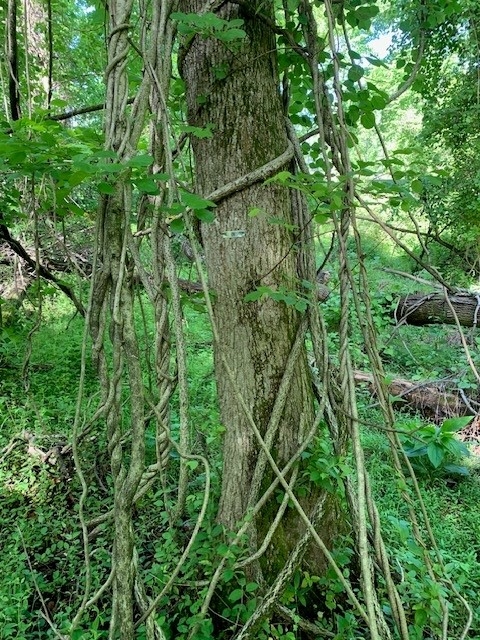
x=434 y=308
x=434 y=400
x=12 y=57
x=243 y=252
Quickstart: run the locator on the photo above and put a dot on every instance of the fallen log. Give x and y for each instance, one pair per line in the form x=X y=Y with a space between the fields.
x=438 y=308
x=435 y=400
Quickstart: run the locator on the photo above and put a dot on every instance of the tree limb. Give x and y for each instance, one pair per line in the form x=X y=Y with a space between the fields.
x=39 y=268
x=416 y=68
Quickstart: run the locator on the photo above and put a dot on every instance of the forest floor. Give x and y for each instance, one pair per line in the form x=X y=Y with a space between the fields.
x=40 y=540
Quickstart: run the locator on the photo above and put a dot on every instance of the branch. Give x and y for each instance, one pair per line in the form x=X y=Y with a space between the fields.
x=408 y=83
x=412 y=277
x=426 y=234
x=39 y=268
x=82 y=110
x=258 y=175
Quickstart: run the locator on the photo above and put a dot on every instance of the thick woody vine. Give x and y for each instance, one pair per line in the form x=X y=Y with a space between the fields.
x=111 y=320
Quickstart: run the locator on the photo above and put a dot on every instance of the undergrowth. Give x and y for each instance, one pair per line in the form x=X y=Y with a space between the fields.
x=40 y=542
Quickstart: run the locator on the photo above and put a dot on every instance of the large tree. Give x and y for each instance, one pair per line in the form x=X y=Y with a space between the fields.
x=234 y=88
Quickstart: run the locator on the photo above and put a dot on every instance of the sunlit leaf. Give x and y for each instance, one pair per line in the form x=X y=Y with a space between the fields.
x=194 y=202
x=455 y=424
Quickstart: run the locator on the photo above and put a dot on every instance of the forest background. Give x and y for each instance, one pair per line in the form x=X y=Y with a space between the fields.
x=239 y=257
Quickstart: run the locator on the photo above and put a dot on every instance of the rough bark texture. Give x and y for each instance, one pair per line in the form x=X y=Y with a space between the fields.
x=255 y=337
x=433 y=308
x=434 y=400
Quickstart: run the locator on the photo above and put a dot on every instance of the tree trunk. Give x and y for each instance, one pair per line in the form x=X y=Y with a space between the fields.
x=12 y=56
x=434 y=308
x=235 y=88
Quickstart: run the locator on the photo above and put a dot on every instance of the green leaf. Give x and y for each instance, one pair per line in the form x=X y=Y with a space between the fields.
x=251 y=587
x=104 y=153
x=106 y=187
x=228 y=575
x=160 y=177
x=205 y=215
x=353 y=114
x=199 y=132
x=282 y=222
x=455 y=424
x=378 y=102
x=323 y=218
x=301 y=305
x=77 y=177
x=421 y=616
x=231 y=34
x=368 y=119
x=351 y=18
x=281 y=176
x=354 y=55
x=147 y=185
x=221 y=71
x=455 y=447
x=367 y=11
x=237 y=594
x=17 y=157
x=139 y=161
x=436 y=454
x=458 y=469
x=253 y=296
x=416 y=186
x=195 y=202
x=58 y=103
x=355 y=73
x=224 y=550
x=416 y=452
x=404 y=151
x=177 y=225
x=376 y=62
x=104 y=167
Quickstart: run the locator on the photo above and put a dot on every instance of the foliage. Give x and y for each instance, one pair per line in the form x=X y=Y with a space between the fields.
x=449 y=86
x=453 y=517
x=435 y=447
x=56 y=556
x=55 y=173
